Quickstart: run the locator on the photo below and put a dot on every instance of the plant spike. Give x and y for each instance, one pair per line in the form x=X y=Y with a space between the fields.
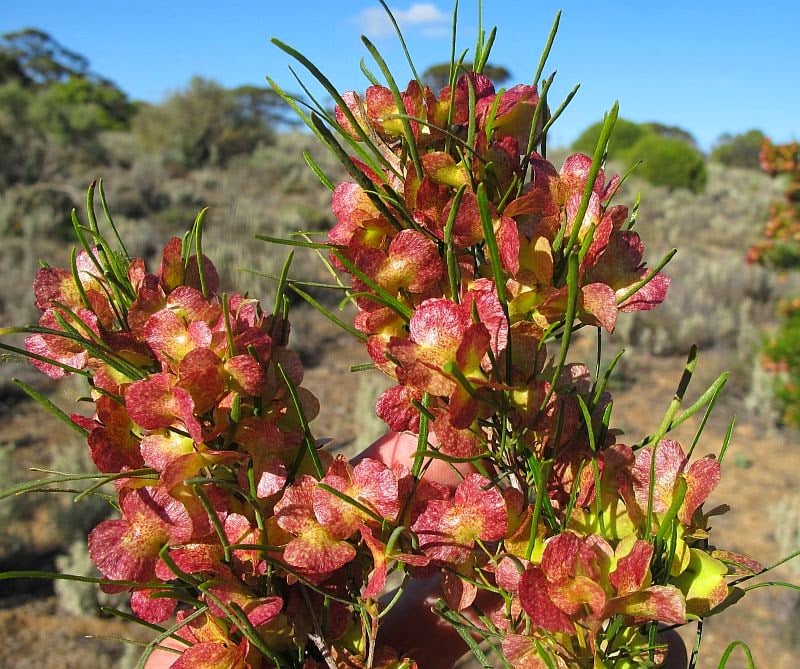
x=547 y=47
x=411 y=143
x=402 y=41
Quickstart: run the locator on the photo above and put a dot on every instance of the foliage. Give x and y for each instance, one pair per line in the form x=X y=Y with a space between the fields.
x=205 y=125
x=781 y=250
x=780 y=247
x=671 y=132
x=669 y=153
x=739 y=150
x=470 y=262
x=53 y=114
x=23 y=145
x=670 y=162
x=626 y=134
x=79 y=109
x=782 y=353
x=36 y=58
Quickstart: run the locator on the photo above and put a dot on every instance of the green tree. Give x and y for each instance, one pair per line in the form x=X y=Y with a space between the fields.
x=11 y=70
x=672 y=132
x=259 y=107
x=438 y=76
x=40 y=58
x=739 y=150
x=24 y=145
x=626 y=134
x=669 y=162
x=53 y=111
x=34 y=59
x=206 y=124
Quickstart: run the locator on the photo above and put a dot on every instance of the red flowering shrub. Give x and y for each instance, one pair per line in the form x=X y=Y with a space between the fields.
x=470 y=259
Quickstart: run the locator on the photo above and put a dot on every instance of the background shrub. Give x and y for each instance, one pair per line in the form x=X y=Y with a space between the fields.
x=626 y=134
x=669 y=162
x=738 y=150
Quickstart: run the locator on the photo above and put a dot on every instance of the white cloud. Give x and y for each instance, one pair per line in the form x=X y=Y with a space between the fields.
x=425 y=17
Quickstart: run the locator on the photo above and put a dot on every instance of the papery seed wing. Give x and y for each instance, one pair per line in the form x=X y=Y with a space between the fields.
x=538 y=605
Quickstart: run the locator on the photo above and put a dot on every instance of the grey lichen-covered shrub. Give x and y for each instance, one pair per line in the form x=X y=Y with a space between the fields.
x=712 y=303
x=715 y=299
x=7 y=480
x=81 y=599
x=785 y=518
x=760 y=399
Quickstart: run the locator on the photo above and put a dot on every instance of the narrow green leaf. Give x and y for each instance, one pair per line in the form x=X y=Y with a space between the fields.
x=597 y=160
x=387 y=299
x=598 y=498
x=547 y=47
x=672 y=409
x=451 y=261
x=678 y=494
x=49 y=407
x=311 y=448
x=354 y=171
x=198 y=249
x=347 y=327
x=368 y=366
x=293 y=242
x=729 y=651
x=451 y=368
x=569 y=320
x=144 y=472
x=73 y=266
x=698 y=638
x=541 y=106
x=316 y=169
x=411 y=142
x=438 y=455
x=79 y=233
x=333 y=92
x=124 y=615
x=726 y=442
x=711 y=394
x=41 y=358
x=216 y=523
x=353 y=502
x=282 y=282
x=422 y=439
x=169 y=633
x=30 y=486
x=453 y=68
x=109 y=219
x=603 y=382
x=542 y=475
x=706 y=415
x=399 y=34
x=634 y=211
x=635 y=288
x=491 y=246
x=560 y=110
x=373 y=80
x=464 y=632
x=58 y=576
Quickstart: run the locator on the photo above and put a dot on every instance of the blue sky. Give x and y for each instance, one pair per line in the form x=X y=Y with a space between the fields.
x=707 y=66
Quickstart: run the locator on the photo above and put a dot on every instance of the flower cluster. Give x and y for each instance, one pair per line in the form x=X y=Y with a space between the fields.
x=470 y=261
x=468 y=253
x=201 y=422
x=779 y=248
